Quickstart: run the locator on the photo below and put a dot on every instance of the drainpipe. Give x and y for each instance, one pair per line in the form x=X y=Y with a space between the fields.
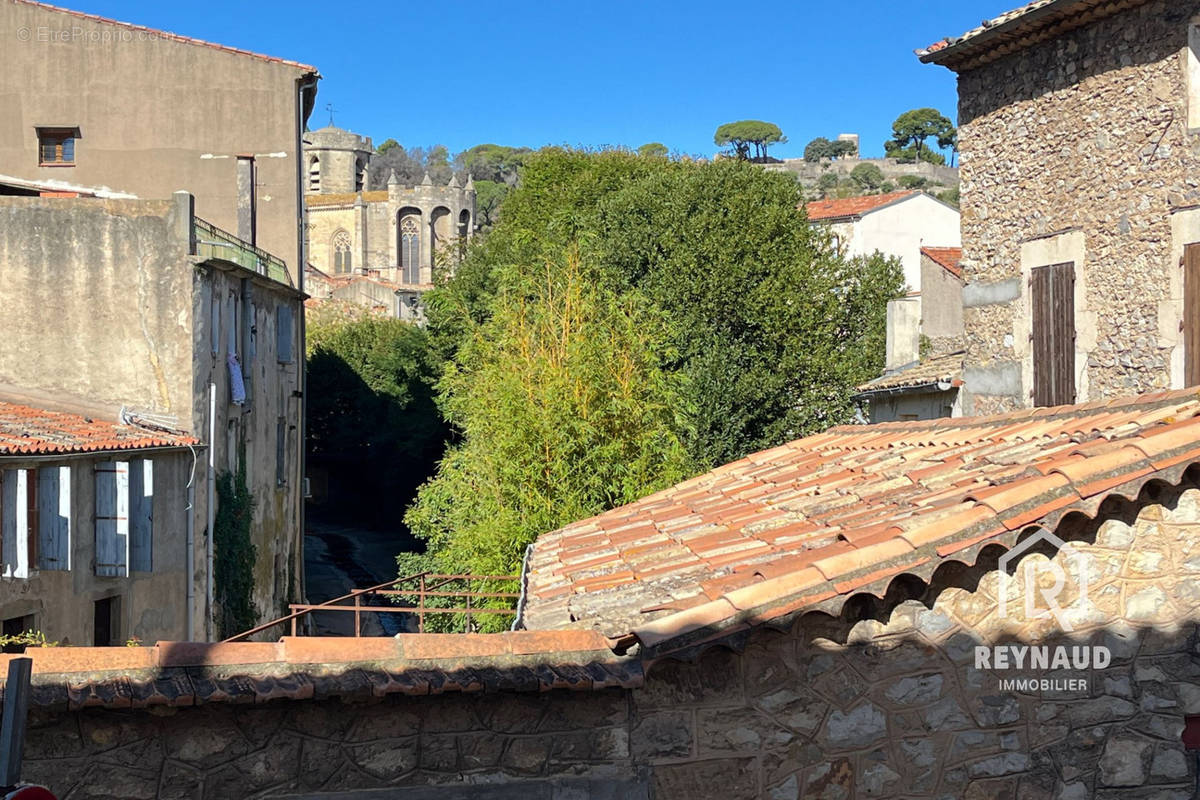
x=212 y=507
x=190 y=568
x=305 y=84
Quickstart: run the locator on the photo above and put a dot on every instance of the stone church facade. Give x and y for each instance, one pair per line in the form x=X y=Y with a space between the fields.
x=393 y=236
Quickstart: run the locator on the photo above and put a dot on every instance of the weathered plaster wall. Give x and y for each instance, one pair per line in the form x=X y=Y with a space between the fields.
x=97 y=301
x=941 y=307
x=828 y=709
x=153 y=604
x=155 y=115
x=1086 y=132
x=272 y=410
x=903 y=228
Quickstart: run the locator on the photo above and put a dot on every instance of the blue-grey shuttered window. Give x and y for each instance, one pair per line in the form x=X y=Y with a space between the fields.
x=283 y=334
x=14 y=501
x=54 y=518
x=141 y=514
x=112 y=519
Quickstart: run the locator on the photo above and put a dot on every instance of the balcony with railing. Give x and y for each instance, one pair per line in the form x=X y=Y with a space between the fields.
x=212 y=242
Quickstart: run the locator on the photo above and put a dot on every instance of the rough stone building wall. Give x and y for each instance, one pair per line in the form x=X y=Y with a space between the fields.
x=1078 y=148
x=897 y=710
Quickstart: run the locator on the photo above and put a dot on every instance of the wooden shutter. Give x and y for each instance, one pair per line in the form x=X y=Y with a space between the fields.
x=16 y=523
x=1052 y=291
x=1191 y=315
x=54 y=518
x=141 y=514
x=283 y=334
x=112 y=519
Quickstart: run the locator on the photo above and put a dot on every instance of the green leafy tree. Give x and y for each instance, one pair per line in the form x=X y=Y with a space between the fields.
x=388 y=145
x=372 y=421
x=913 y=181
x=563 y=411
x=489 y=195
x=653 y=150
x=827 y=183
x=734 y=322
x=747 y=133
x=913 y=128
x=492 y=162
x=867 y=176
x=822 y=149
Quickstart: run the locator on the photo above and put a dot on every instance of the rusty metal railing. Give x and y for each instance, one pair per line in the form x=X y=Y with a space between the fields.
x=213 y=242
x=425 y=587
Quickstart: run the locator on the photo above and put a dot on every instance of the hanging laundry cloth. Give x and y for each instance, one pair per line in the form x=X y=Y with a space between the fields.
x=237 y=387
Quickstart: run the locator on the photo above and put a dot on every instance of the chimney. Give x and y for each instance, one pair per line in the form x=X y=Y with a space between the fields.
x=903 y=332
x=247 y=202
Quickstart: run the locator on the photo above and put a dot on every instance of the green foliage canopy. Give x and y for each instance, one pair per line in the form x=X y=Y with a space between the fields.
x=747 y=133
x=867 y=176
x=822 y=149
x=911 y=130
x=653 y=150
x=629 y=321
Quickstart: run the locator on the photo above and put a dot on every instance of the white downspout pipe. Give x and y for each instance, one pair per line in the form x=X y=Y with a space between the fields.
x=212 y=506
x=190 y=560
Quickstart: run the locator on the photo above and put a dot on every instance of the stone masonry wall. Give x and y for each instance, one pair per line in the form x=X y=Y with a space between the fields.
x=1087 y=131
x=892 y=707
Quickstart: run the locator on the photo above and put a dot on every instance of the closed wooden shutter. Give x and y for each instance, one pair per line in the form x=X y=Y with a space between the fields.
x=1052 y=290
x=112 y=519
x=54 y=518
x=141 y=514
x=1191 y=315
x=283 y=334
x=15 y=489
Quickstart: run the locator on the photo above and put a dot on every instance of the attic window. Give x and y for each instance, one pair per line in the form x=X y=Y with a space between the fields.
x=1193 y=76
x=56 y=146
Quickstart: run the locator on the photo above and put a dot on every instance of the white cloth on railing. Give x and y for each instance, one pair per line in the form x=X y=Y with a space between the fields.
x=237 y=387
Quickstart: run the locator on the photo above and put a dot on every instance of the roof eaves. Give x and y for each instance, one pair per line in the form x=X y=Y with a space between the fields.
x=1018 y=29
x=175 y=37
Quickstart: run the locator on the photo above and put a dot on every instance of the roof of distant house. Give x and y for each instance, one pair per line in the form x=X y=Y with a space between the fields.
x=943 y=372
x=26 y=430
x=1015 y=30
x=57 y=188
x=949 y=258
x=804 y=526
x=852 y=207
x=345 y=198
x=175 y=37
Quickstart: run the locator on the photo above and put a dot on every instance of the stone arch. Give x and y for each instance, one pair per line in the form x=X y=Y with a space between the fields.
x=440 y=223
x=464 y=223
x=314 y=175
x=340 y=249
x=408 y=244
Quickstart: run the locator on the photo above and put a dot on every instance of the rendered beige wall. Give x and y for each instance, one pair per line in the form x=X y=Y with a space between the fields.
x=156 y=116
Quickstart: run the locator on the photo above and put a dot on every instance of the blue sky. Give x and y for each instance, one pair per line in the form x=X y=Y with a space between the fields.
x=621 y=72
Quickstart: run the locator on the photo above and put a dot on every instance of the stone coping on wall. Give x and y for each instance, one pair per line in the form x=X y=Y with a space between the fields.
x=301 y=668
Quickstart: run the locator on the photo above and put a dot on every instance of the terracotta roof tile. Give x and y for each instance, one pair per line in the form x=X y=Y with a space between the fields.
x=25 y=430
x=948 y=258
x=853 y=505
x=850 y=207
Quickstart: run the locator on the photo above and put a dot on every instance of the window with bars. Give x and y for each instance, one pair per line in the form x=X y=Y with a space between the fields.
x=57 y=145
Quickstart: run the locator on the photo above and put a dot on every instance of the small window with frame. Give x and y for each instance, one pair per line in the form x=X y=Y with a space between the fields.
x=56 y=146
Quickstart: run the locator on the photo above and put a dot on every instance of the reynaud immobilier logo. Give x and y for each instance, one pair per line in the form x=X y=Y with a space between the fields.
x=1041 y=602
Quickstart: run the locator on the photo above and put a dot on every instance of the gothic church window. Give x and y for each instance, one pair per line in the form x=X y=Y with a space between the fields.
x=410 y=249
x=342 y=259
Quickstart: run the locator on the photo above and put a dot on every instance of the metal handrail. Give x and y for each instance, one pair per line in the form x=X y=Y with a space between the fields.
x=245 y=254
x=421 y=591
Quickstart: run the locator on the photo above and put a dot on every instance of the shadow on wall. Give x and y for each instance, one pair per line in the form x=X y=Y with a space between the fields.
x=888 y=699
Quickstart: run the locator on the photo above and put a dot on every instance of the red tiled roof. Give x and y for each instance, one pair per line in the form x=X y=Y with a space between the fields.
x=25 y=430
x=804 y=525
x=302 y=668
x=843 y=207
x=168 y=35
x=949 y=258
